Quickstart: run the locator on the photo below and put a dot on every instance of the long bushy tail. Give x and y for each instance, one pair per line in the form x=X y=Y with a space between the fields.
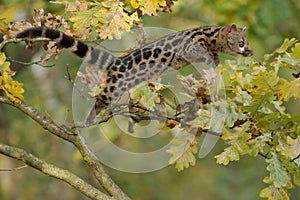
x=62 y=40
x=96 y=57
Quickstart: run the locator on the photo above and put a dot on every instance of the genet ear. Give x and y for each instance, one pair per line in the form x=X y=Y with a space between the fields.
x=232 y=28
x=244 y=28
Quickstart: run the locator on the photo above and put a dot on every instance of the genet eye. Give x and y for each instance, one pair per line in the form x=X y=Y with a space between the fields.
x=241 y=43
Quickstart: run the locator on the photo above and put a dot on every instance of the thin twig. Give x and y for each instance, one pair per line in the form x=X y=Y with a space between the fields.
x=18 y=40
x=263 y=155
x=120 y=109
x=69 y=77
x=39 y=62
x=13 y=169
x=295 y=158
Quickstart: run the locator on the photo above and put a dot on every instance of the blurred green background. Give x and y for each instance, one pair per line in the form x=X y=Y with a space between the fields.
x=268 y=23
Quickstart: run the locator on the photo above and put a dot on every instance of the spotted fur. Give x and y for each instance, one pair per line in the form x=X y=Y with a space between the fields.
x=149 y=61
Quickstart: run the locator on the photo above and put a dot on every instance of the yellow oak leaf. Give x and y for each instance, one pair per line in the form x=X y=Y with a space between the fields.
x=289 y=89
x=148 y=7
x=13 y=89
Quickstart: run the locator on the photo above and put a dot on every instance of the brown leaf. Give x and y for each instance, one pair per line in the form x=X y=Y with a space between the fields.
x=38 y=17
x=160 y=107
x=53 y=52
x=188 y=84
x=17 y=27
x=189 y=109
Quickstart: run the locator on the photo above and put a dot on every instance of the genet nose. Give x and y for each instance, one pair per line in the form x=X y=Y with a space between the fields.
x=247 y=53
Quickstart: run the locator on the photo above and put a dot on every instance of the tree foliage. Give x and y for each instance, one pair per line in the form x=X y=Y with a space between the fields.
x=257 y=120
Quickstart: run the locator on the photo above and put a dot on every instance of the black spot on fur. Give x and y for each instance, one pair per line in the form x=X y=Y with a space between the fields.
x=104 y=97
x=137 y=58
x=176 y=42
x=129 y=66
x=126 y=59
x=114 y=68
x=163 y=60
x=142 y=66
x=156 y=52
x=136 y=52
x=167 y=54
x=122 y=69
x=147 y=54
x=167 y=47
x=151 y=63
x=118 y=62
x=196 y=34
x=112 y=88
x=120 y=83
x=113 y=79
x=136 y=81
x=133 y=71
x=120 y=75
x=130 y=78
x=161 y=42
x=116 y=94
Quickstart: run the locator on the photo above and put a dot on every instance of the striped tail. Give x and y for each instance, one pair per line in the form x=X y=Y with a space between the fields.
x=63 y=41
x=100 y=58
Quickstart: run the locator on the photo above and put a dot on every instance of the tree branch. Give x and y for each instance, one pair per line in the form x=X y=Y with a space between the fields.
x=17 y=40
x=71 y=136
x=44 y=121
x=110 y=186
x=53 y=171
x=295 y=158
x=120 y=109
x=39 y=62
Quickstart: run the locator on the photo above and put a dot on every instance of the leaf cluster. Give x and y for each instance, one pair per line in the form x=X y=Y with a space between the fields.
x=259 y=92
x=257 y=122
x=109 y=18
x=13 y=89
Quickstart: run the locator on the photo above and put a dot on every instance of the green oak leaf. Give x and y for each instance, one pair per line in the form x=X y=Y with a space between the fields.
x=258 y=143
x=291 y=148
x=289 y=89
x=238 y=144
x=183 y=149
x=296 y=51
x=274 y=193
x=282 y=49
x=278 y=175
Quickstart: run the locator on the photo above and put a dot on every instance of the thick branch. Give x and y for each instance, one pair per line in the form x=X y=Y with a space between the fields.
x=106 y=182
x=53 y=171
x=44 y=121
x=98 y=170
